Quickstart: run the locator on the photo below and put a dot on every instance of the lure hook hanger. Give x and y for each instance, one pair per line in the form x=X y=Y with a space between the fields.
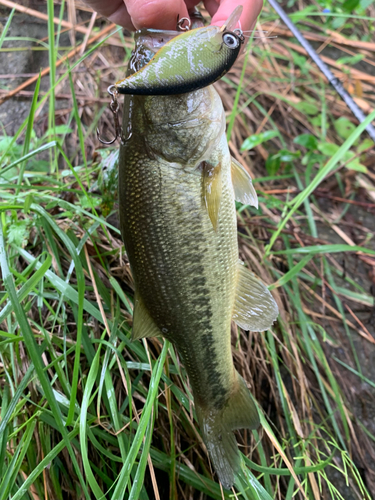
x=114 y=107
x=239 y=33
x=181 y=26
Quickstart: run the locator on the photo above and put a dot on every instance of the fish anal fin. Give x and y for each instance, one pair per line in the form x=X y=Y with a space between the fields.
x=242 y=184
x=143 y=325
x=254 y=308
x=240 y=411
x=211 y=190
x=217 y=427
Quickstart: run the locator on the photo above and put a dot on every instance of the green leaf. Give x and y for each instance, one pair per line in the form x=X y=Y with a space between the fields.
x=141 y=468
x=287 y=156
x=357 y=166
x=350 y=60
x=96 y=490
x=325 y=249
x=365 y=144
x=311 y=158
x=22 y=386
x=29 y=285
x=28 y=135
x=250 y=487
x=6 y=27
x=350 y=5
x=29 y=155
x=291 y=273
x=255 y=140
x=308 y=141
x=306 y=107
x=328 y=148
x=319 y=121
x=348 y=156
x=58 y=130
x=300 y=61
x=64 y=287
x=344 y=127
x=18 y=232
x=273 y=164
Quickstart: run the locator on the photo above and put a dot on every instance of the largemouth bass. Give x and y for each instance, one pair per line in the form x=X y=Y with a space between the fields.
x=177 y=191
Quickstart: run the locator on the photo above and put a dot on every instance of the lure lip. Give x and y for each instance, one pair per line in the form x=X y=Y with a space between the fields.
x=233 y=19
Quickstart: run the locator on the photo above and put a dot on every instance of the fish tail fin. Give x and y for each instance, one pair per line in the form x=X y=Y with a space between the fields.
x=217 y=427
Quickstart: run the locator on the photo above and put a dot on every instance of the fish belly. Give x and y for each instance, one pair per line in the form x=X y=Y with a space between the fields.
x=184 y=270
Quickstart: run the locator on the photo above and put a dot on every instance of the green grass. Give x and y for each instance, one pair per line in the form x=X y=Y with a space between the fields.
x=85 y=412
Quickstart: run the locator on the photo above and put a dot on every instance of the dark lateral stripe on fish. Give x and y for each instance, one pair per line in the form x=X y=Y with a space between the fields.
x=218 y=391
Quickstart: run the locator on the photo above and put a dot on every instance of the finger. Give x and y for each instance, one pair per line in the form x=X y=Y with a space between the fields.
x=190 y=4
x=114 y=10
x=251 y=10
x=157 y=14
x=212 y=6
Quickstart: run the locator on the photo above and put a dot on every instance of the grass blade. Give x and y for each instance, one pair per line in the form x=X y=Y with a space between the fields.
x=35 y=355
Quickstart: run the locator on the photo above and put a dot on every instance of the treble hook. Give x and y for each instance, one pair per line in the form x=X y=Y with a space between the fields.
x=114 y=107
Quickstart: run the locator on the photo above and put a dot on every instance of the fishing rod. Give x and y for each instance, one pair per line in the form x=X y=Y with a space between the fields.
x=335 y=82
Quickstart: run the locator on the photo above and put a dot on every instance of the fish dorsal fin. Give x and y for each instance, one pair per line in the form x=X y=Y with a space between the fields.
x=211 y=190
x=242 y=184
x=254 y=308
x=143 y=325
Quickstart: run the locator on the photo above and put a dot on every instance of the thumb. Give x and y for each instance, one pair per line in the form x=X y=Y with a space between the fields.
x=251 y=10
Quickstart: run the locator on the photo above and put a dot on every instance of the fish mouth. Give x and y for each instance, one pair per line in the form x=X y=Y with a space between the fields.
x=144 y=31
x=154 y=39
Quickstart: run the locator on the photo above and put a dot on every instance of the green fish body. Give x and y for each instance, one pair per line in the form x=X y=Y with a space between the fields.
x=177 y=191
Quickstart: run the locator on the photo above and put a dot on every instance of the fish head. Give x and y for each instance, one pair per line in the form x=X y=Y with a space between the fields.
x=183 y=128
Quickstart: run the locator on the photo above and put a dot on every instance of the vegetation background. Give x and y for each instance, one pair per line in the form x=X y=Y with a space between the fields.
x=87 y=414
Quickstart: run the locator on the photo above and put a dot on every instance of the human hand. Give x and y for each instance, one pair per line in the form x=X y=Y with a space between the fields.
x=162 y=14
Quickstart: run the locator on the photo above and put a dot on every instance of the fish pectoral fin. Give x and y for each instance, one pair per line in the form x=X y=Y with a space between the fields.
x=211 y=190
x=242 y=184
x=254 y=308
x=217 y=427
x=143 y=325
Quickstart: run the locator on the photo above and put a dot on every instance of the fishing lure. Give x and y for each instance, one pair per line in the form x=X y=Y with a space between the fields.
x=192 y=60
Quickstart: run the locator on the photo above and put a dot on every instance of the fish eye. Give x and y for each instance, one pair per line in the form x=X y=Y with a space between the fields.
x=231 y=40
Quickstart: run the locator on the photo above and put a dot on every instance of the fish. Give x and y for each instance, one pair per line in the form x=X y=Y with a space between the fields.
x=194 y=59
x=177 y=189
